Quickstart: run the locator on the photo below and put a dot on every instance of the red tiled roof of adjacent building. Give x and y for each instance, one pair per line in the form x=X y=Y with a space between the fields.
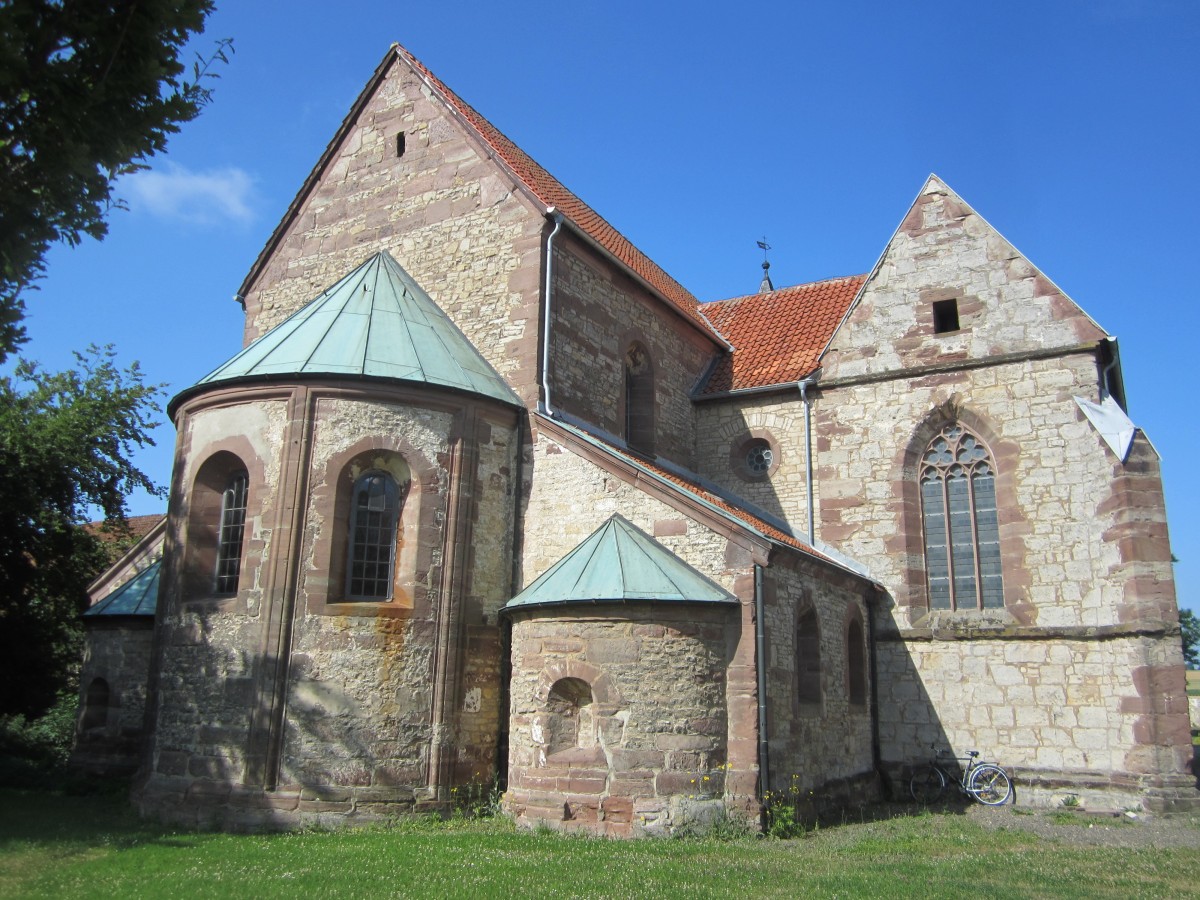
x=777 y=335
x=550 y=191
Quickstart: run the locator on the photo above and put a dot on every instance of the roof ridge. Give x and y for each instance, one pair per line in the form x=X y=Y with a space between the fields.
x=785 y=289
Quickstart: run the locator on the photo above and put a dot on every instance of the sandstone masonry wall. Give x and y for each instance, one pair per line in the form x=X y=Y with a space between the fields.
x=569 y=497
x=598 y=313
x=723 y=427
x=448 y=214
x=207 y=651
x=119 y=653
x=820 y=753
x=650 y=753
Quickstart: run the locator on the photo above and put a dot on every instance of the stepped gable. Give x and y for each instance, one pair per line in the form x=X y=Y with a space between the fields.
x=778 y=335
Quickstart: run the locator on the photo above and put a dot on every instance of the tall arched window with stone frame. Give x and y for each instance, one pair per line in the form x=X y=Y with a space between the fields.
x=960 y=520
x=216 y=528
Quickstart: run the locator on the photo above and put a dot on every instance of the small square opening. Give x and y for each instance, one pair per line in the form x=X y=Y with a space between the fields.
x=945 y=316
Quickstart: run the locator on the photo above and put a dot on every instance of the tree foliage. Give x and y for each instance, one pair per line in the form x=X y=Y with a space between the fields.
x=65 y=446
x=89 y=89
x=1189 y=628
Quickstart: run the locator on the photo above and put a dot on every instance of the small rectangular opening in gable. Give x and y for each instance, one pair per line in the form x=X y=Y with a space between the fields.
x=945 y=316
x=400 y=144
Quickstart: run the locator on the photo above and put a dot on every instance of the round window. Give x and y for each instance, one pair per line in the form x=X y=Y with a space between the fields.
x=759 y=458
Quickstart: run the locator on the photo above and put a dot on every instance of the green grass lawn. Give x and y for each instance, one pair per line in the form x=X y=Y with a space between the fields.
x=55 y=846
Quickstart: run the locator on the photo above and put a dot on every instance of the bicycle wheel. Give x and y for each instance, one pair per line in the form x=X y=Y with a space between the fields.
x=990 y=784
x=927 y=784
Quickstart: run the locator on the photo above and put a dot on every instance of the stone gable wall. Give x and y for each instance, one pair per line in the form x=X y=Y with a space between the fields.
x=1085 y=554
x=448 y=214
x=944 y=250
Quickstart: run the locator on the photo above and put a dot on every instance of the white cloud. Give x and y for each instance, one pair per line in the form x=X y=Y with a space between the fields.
x=173 y=192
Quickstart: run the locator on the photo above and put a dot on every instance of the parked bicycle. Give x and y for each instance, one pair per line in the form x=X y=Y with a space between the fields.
x=986 y=782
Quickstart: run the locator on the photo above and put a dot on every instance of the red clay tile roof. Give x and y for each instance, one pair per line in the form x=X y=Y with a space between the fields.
x=136 y=527
x=551 y=192
x=777 y=336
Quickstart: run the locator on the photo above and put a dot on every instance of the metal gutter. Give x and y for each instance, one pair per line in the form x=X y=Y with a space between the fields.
x=557 y=218
x=760 y=659
x=804 y=384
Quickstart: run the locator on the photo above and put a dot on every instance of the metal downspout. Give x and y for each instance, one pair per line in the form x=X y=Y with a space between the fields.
x=760 y=655
x=557 y=218
x=808 y=462
x=876 y=751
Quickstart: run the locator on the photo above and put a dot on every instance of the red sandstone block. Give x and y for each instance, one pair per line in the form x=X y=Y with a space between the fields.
x=324 y=806
x=625 y=760
x=617 y=809
x=583 y=785
x=667 y=783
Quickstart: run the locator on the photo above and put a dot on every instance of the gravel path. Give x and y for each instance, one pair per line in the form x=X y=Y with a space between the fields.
x=1092 y=829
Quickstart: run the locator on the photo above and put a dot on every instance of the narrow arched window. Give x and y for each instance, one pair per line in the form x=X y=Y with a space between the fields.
x=95 y=705
x=856 y=663
x=808 y=658
x=233 y=530
x=371 y=558
x=962 y=529
x=639 y=399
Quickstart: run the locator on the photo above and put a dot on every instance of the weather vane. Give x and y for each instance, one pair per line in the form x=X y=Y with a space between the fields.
x=766 y=284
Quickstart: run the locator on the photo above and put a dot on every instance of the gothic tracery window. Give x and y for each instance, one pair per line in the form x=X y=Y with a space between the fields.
x=962 y=532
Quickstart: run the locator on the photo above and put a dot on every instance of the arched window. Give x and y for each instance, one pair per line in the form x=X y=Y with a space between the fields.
x=371 y=555
x=639 y=399
x=233 y=530
x=216 y=527
x=808 y=658
x=856 y=663
x=962 y=530
x=570 y=723
x=95 y=705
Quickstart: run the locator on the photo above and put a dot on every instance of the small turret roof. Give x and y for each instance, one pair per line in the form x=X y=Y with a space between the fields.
x=376 y=322
x=136 y=597
x=618 y=563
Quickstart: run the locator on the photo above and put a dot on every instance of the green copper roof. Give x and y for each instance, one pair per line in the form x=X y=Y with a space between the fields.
x=136 y=597
x=376 y=322
x=619 y=562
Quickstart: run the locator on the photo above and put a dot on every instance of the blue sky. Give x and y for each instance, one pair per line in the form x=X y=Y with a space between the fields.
x=1071 y=125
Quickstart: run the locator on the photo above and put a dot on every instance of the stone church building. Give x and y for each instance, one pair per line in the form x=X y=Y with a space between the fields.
x=486 y=491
